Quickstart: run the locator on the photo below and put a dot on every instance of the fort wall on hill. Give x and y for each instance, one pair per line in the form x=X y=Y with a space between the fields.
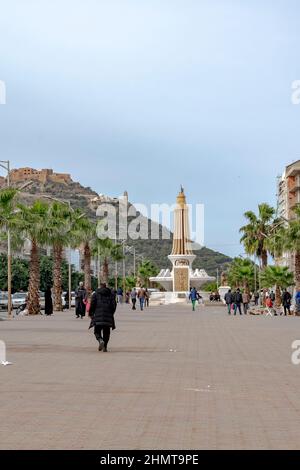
x=42 y=176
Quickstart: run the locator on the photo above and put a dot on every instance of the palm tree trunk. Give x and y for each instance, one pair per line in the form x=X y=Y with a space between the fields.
x=277 y=296
x=246 y=287
x=297 y=269
x=57 y=278
x=105 y=270
x=33 y=303
x=264 y=259
x=87 y=267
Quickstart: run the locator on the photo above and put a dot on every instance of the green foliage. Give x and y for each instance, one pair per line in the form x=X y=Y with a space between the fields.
x=210 y=287
x=46 y=270
x=257 y=233
x=130 y=282
x=20 y=274
x=146 y=270
x=241 y=273
x=277 y=276
x=292 y=234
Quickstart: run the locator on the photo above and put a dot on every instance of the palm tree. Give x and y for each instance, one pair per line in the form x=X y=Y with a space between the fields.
x=84 y=235
x=292 y=243
x=278 y=276
x=59 y=222
x=241 y=273
x=7 y=207
x=8 y=225
x=257 y=232
x=146 y=270
x=9 y=219
x=107 y=249
x=34 y=227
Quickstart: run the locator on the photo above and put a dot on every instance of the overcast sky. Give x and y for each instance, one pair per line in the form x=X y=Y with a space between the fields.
x=146 y=95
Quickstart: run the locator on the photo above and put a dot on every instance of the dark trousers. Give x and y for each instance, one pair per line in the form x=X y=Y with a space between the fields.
x=287 y=309
x=133 y=304
x=237 y=306
x=102 y=333
x=246 y=306
x=146 y=302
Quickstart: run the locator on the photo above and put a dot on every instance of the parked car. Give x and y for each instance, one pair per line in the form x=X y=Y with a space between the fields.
x=42 y=300
x=3 y=300
x=19 y=298
x=72 y=299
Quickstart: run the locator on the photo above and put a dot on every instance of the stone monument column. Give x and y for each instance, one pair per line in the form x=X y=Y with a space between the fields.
x=182 y=255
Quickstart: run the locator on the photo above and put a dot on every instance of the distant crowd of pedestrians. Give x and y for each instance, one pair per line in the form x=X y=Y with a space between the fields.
x=237 y=300
x=142 y=295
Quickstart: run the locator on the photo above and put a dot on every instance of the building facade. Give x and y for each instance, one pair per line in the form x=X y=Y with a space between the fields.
x=288 y=196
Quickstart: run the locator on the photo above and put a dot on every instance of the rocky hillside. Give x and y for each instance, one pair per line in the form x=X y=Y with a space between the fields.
x=87 y=200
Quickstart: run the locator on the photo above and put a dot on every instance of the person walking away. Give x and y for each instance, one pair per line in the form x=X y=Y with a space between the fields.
x=133 y=296
x=102 y=310
x=229 y=300
x=120 y=295
x=127 y=297
x=286 y=302
x=246 y=300
x=80 y=296
x=237 y=300
x=193 y=297
x=141 y=296
x=256 y=297
x=48 y=301
x=272 y=296
x=147 y=296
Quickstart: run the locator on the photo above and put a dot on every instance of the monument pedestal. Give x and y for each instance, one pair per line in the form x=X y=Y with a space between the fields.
x=181 y=273
x=222 y=291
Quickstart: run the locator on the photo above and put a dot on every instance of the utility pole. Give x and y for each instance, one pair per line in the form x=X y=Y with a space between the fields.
x=255 y=284
x=124 y=269
x=217 y=278
x=116 y=270
x=70 y=279
x=134 y=266
x=6 y=165
x=99 y=266
x=9 y=257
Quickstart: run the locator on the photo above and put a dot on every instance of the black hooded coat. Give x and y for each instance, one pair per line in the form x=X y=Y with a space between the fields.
x=103 y=307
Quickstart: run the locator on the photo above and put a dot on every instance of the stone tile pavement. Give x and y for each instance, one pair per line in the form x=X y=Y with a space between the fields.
x=172 y=379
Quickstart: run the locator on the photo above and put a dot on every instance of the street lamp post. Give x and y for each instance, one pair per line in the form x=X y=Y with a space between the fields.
x=124 y=269
x=99 y=266
x=6 y=165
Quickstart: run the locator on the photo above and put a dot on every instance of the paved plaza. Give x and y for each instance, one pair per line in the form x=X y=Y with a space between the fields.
x=172 y=379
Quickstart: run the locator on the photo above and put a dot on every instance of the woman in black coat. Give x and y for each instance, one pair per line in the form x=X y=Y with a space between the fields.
x=48 y=301
x=102 y=309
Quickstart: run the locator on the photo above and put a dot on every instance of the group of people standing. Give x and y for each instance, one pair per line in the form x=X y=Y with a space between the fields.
x=142 y=295
x=237 y=299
